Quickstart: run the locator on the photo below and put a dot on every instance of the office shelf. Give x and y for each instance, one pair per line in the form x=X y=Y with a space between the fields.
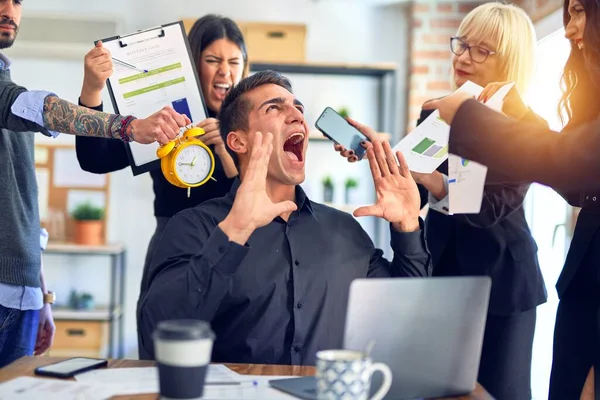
x=111 y=316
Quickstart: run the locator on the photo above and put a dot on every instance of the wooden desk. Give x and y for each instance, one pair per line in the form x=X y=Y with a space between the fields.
x=26 y=365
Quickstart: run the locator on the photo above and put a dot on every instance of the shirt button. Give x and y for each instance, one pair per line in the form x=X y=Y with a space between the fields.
x=299 y=305
x=297 y=349
x=297 y=262
x=594 y=198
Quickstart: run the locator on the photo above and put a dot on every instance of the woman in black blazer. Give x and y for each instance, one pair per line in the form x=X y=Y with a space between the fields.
x=556 y=160
x=219 y=51
x=495 y=42
x=497 y=242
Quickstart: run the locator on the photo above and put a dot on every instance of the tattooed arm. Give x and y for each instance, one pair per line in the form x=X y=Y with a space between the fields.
x=63 y=116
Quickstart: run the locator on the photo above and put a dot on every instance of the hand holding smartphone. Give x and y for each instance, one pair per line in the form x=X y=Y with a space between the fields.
x=336 y=128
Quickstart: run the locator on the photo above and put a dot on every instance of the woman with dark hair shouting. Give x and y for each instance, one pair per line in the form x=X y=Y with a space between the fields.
x=219 y=53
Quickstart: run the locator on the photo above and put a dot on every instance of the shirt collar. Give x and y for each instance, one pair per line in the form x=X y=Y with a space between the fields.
x=302 y=199
x=4 y=62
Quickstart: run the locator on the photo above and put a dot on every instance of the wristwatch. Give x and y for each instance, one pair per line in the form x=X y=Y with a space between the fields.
x=49 y=297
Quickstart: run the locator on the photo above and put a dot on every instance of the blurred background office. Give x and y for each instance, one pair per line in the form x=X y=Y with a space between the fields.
x=377 y=59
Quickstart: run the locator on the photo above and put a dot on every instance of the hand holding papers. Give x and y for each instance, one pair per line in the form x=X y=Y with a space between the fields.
x=426 y=147
x=466 y=179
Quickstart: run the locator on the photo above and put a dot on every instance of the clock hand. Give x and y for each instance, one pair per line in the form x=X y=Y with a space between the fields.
x=193 y=161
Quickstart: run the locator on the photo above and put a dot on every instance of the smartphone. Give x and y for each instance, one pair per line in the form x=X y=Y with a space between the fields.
x=336 y=128
x=70 y=367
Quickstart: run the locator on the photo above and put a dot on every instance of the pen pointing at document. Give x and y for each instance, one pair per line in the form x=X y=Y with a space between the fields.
x=130 y=65
x=101 y=61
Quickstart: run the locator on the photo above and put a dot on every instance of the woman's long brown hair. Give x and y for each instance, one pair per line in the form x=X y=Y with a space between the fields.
x=580 y=81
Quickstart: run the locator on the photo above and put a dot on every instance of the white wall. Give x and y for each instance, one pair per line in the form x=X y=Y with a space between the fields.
x=338 y=31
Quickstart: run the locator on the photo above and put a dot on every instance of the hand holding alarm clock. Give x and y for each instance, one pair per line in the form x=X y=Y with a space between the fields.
x=185 y=161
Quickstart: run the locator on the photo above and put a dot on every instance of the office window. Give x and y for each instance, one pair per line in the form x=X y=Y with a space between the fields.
x=546 y=211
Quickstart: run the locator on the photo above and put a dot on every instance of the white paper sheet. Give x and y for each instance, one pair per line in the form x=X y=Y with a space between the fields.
x=426 y=147
x=466 y=179
x=68 y=173
x=42 y=176
x=28 y=388
x=255 y=387
x=40 y=155
x=126 y=381
x=170 y=81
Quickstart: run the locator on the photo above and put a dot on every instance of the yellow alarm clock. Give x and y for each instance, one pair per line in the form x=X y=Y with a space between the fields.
x=185 y=161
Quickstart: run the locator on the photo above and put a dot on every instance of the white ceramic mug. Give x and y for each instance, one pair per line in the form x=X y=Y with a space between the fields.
x=346 y=374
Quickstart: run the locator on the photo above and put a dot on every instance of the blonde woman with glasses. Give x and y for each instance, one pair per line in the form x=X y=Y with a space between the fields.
x=495 y=43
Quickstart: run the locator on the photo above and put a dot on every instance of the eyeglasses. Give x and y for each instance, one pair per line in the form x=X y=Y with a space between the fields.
x=478 y=54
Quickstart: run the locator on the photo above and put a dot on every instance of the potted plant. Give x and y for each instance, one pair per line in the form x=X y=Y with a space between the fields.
x=88 y=224
x=350 y=185
x=327 y=189
x=85 y=302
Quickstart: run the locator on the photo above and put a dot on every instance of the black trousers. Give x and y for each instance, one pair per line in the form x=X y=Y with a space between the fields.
x=576 y=347
x=505 y=367
x=577 y=329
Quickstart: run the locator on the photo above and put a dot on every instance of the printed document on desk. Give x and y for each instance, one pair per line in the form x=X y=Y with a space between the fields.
x=466 y=178
x=171 y=80
x=127 y=381
x=426 y=147
x=30 y=388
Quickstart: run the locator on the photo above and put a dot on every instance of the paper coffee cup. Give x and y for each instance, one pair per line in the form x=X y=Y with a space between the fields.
x=183 y=351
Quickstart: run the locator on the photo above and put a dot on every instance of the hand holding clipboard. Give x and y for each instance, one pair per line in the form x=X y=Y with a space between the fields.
x=161 y=126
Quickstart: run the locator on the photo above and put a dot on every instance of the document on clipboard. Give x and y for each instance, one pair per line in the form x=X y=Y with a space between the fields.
x=153 y=68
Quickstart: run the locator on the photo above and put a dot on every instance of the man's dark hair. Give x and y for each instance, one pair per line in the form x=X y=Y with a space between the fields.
x=235 y=108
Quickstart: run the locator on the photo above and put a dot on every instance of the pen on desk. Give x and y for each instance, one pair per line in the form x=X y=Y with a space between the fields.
x=229 y=383
x=130 y=65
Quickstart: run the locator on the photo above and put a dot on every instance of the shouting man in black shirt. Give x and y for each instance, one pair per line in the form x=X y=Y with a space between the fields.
x=267 y=267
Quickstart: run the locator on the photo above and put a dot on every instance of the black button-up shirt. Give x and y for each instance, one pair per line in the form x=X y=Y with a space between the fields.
x=281 y=297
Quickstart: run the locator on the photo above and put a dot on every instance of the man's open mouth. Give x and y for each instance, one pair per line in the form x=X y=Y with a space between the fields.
x=293 y=146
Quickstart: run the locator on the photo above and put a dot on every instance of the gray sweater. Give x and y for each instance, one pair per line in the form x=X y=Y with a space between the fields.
x=20 y=253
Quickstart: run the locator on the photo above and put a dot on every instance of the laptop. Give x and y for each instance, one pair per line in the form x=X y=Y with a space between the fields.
x=429 y=331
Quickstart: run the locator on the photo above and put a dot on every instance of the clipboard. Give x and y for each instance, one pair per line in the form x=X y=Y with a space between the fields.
x=171 y=79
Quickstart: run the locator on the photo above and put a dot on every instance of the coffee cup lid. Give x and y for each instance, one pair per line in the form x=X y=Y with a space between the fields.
x=183 y=329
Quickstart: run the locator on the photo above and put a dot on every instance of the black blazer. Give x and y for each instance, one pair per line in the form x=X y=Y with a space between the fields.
x=496 y=242
x=516 y=151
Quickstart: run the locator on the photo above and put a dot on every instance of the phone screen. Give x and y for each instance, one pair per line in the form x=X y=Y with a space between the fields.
x=334 y=126
x=71 y=365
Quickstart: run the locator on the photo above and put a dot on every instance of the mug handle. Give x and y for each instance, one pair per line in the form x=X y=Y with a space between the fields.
x=387 y=380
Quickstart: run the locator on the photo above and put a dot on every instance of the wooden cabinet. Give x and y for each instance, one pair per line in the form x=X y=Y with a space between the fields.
x=281 y=43
x=80 y=338
x=270 y=42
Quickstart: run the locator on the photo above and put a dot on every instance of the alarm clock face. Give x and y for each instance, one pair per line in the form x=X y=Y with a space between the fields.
x=193 y=164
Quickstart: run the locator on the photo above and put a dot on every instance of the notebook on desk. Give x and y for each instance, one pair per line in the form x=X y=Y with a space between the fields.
x=429 y=331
